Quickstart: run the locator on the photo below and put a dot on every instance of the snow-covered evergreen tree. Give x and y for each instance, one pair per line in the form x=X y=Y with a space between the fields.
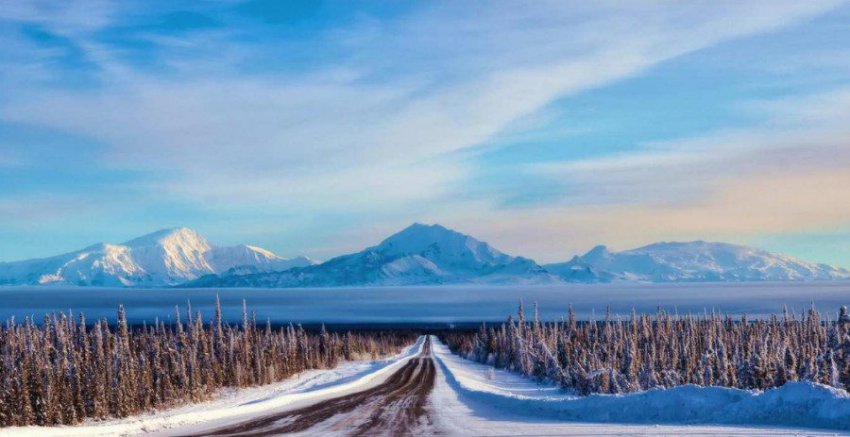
x=64 y=371
x=612 y=356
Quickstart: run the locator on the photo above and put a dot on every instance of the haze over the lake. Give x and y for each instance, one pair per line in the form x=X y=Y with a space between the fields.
x=420 y=305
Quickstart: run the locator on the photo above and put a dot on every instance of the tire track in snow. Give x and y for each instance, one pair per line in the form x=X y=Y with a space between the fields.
x=397 y=406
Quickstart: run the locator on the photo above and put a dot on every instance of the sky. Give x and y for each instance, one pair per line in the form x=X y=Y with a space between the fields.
x=321 y=127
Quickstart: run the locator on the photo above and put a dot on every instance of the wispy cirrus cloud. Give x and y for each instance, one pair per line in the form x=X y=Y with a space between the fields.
x=802 y=134
x=743 y=210
x=786 y=175
x=367 y=120
x=290 y=132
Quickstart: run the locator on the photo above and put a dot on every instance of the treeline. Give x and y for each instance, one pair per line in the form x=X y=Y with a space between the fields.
x=67 y=369
x=665 y=350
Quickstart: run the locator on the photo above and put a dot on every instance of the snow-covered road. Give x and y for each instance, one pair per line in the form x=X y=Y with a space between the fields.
x=397 y=406
x=234 y=406
x=426 y=390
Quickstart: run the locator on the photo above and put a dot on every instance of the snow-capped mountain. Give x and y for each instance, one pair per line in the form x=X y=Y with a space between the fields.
x=166 y=257
x=420 y=254
x=692 y=261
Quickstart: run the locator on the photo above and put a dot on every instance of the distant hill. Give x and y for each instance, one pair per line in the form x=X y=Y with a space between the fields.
x=166 y=257
x=692 y=261
x=418 y=255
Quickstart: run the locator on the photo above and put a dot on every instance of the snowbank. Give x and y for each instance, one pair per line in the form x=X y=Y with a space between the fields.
x=236 y=404
x=796 y=404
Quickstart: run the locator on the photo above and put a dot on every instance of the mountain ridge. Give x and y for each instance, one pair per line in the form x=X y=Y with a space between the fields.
x=698 y=260
x=165 y=257
x=419 y=254
x=432 y=254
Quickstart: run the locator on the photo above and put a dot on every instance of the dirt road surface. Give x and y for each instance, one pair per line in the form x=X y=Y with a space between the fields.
x=396 y=407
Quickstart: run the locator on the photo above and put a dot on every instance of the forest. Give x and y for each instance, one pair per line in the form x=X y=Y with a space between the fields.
x=67 y=369
x=665 y=350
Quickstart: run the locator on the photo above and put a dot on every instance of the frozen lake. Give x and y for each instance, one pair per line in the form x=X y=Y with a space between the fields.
x=446 y=304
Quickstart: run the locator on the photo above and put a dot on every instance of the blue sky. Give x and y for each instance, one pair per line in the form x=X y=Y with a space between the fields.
x=318 y=128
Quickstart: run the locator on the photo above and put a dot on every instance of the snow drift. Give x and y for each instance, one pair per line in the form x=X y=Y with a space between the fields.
x=797 y=404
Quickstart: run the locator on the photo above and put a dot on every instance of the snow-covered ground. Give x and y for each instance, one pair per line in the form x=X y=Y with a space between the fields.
x=474 y=399
x=234 y=405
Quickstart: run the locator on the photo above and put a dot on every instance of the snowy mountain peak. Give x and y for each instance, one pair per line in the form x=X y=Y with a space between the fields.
x=419 y=254
x=598 y=252
x=698 y=261
x=258 y=250
x=170 y=237
x=437 y=241
x=164 y=257
x=691 y=246
x=418 y=236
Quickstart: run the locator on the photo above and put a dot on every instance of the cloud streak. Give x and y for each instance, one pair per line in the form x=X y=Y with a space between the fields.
x=785 y=176
x=293 y=132
x=375 y=119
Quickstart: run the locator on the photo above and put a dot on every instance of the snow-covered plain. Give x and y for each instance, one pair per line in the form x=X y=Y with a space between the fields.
x=234 y=405
x=474 y=399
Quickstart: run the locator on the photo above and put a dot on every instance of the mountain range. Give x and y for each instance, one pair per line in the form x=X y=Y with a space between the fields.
x=696 y=261
x=418 y=255
x=166 y=257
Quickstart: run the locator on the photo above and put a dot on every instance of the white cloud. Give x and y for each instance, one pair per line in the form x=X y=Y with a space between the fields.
x=70 y=18
x=20 y=212
x=788 y=175
x=802 y=134
x=458 y=76
x=738 y=210
x=376 y=132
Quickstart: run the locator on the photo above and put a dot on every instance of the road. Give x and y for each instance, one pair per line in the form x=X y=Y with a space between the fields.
x=427 y=391
x=420 y=398
x=398 y=406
